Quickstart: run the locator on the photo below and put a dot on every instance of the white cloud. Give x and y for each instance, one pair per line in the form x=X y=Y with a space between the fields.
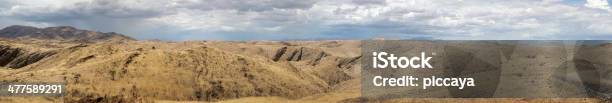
x=340 y=19
x=598 y=4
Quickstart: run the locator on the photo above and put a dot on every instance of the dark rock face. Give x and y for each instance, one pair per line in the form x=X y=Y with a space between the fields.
x=299 y=54
x=17 y=58
x=327 y=67
x=59 y=33
x=8 y=54
x=27 y=59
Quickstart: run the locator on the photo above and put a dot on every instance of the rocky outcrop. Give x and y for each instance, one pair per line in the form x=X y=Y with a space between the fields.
x=325 y=66
x=293 y=53
x=8 y=54
x=29 y=58
x=348 y=62
x=17 y=58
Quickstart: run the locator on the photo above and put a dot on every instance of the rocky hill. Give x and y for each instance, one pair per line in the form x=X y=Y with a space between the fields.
x=144 y=71
x=63 y=33
x=141 y=71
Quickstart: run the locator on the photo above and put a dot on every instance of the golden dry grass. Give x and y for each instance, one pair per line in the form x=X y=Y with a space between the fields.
x=194 y=71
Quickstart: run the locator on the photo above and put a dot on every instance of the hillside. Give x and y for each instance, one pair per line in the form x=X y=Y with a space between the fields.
x=188 y=71
x=206 y=71
x=64 y=33
x=98 y=69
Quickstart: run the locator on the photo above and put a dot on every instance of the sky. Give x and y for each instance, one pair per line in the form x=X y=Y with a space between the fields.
x=179 y=20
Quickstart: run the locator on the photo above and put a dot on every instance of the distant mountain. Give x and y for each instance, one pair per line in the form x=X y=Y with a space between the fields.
x=64 y=33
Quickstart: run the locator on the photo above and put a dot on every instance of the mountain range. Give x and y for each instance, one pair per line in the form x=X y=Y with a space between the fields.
x=65 y=33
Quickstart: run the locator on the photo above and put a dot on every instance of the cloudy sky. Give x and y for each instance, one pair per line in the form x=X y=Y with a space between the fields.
x=320 y=19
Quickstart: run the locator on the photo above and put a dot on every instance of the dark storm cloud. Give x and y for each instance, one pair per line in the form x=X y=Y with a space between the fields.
x=100 y=15
x=246 y=5
x=5 y=4
x=366 y=2
x=87 y=10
